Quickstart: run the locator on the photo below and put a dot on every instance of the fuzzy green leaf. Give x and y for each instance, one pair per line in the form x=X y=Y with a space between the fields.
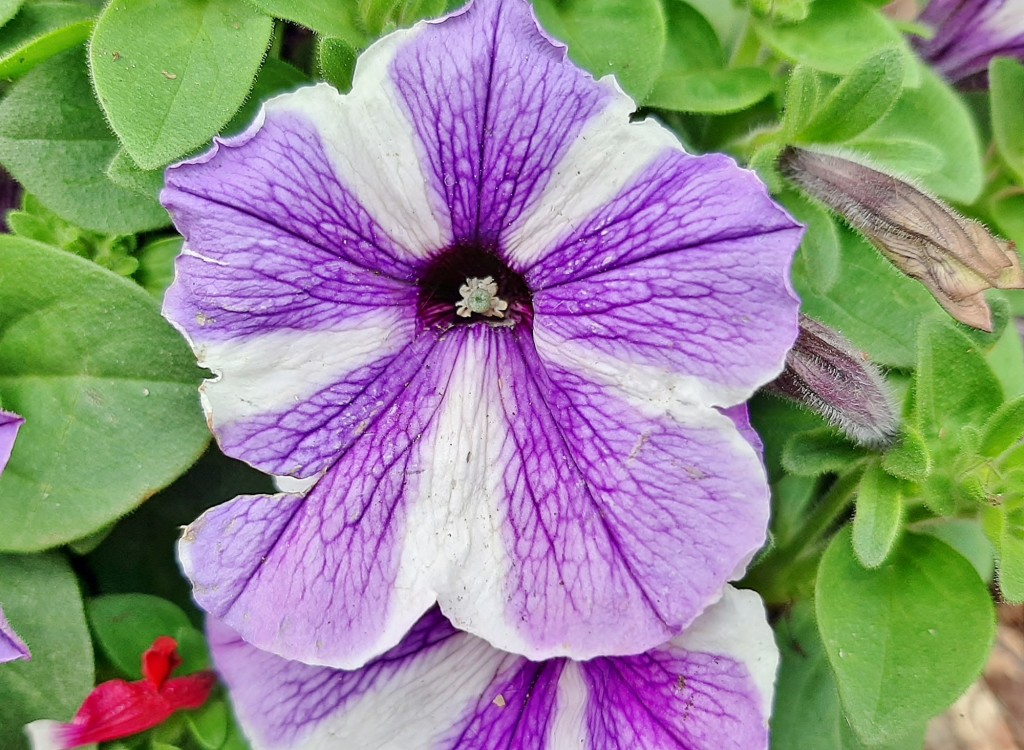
x=860 y=100
x=836 y=37
x=40 y=31
x=93 y=368
x=40 y=597
x=711 y=91
x=906 y=639
x=622 y=37
x=55 y=142
x=909 y=459
x=879 y=516
x=1006 y=84
x=816 y=452
x=170 y=75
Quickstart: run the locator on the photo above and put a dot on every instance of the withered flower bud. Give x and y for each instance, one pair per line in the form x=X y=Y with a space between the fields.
x=957 y=259
x=826 y=374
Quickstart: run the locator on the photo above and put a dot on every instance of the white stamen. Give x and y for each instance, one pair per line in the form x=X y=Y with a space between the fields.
x=480 y=296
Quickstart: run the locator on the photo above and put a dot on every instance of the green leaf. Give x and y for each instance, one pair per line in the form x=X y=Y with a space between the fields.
x=909 y=459
x=792 y=495
x=802 y=95
x=819 y=253
x=899 y=155
x=808 y=714
x=170 y=75
x=905 y=640
x=209 y=725
x=1006 y=358
x=156 y=264
x=125 y=625
x=711 y=91
x=1006 y=87
x=1004 y=428
x=91 y=365
x=1004 y=526
x=836 y=37
x=815 y=452
x=8 y=9
x=337 y=18
x=950 y=128
x=55 y=142
x=953 y=384
x=871 y=303
x=966 y=537
x=336 y=62
x=879 y=516
x=691 y=41
x=125 y=172
x=860 y=99
x=40 y=31
x=40 y=597
x=622 y=37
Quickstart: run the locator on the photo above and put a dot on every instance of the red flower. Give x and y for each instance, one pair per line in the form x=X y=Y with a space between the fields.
x=119 y=709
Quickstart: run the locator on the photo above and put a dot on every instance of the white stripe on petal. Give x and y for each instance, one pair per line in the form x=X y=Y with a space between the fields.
x=374 y=148
x=735 y=626
x=653 y=389
x=609 y=152
x=457 y=524
x=273 y=372
x=569 y=728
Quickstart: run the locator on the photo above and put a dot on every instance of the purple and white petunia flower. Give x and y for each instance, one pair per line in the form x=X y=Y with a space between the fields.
x=495 y=322
x=968 y=34
x=441 y=689
x=11 y=646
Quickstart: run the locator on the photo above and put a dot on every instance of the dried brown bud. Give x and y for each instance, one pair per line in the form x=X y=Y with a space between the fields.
x=957 y=259
x=827 y=375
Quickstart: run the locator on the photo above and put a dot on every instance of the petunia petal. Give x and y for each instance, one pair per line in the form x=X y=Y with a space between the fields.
x=11 y=645
x=495 y=105
x=969 y=33
x=545 y=514
x=676 y=288
x=10 y=423
x=446 y=690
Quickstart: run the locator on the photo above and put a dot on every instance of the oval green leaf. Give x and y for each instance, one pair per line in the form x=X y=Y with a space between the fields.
x=711 y=91
x=622 y=37
x=55 y=142
x=879 y=517
x=170 y=75
x=107 y=388
x=836 y=37
x=904 y=640
x=40 y=597
x=40 y=31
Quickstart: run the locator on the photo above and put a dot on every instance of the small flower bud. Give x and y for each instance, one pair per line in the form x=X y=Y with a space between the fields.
x=827 y=375
x=957 y=259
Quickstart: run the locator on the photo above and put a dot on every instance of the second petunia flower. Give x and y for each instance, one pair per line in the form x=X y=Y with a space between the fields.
x=498 y=324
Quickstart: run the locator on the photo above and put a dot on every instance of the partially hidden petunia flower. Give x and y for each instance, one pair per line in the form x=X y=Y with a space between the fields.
x=498 y=322
x=968 y=34
x=118 y=708
x=12 y=647
x=441 y=689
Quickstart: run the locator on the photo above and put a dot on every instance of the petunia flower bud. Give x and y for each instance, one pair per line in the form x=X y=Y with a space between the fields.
x=828 y=376
x=957 y=259
x=117 y=708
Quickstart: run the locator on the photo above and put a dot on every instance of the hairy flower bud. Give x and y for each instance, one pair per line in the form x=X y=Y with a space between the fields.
x=957 y=259
x=828 y=376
